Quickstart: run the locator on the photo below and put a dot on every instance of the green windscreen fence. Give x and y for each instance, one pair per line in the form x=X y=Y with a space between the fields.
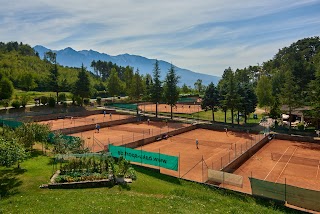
x=267 y=189
x=187 y=99
x=10 y=123
x=69 y=139
x=129 y=106
x=144 y=157
x=305 y=198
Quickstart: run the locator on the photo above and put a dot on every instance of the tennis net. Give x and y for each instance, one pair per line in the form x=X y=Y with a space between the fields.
x=295 y=159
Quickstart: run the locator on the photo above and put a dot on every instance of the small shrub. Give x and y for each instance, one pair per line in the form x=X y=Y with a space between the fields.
x=16 y=104
x=77 y=100
x=52 y=102
x=99 y=101
x=300 y=126
x=24 y=100
x=43 y=100
x=86 y=101
x=62 y=97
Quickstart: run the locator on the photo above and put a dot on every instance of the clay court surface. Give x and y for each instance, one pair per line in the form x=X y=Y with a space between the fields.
x=297 y=162
x=69 y=122
x=212 y=146
x=179 y=108
x=125 y=133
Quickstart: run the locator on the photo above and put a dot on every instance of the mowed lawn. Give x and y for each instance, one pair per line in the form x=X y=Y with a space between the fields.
x=151 y=193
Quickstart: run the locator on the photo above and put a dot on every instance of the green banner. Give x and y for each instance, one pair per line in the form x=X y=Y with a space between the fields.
x=140 y=156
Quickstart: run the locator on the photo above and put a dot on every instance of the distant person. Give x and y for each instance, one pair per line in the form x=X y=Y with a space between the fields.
x=226 y=129
x=148 y=121
x=318 y=132
x=104 y=113
x=110 y=115
x=98 y=128
x=197 y=143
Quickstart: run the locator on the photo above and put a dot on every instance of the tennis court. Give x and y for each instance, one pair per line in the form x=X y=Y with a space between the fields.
x=179 y=108
x=125 y=133
x=282 y=161
x=215 y=149
x=70 y=121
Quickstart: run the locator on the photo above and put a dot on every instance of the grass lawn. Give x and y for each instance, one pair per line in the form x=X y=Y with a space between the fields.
x=218 y=116
x=151 y=193
x=37 y=94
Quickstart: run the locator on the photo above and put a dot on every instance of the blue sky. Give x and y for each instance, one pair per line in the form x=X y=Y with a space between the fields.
x=205 y=36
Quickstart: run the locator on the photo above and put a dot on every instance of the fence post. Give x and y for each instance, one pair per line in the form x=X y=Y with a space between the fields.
x=159 y=160
x=285 y=189
x=222 y=179
x=179 y=164
x=202 y=168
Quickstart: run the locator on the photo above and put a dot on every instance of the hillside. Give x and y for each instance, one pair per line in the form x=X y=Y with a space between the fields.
x=150 y=193
x=72 y=58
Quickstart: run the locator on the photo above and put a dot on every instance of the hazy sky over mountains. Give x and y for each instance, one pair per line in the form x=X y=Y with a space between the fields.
x=205 y=36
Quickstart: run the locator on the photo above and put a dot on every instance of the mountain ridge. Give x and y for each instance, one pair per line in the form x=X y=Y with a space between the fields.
x=72 y=58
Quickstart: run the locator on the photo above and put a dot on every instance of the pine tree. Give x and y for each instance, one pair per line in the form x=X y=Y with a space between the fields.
x=171 y=93
x=156 y=89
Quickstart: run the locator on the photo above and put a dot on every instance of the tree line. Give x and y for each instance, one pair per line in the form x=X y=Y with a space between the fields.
x=290 y=78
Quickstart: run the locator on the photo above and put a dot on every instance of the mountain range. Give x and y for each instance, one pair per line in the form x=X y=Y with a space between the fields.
x=72 y=58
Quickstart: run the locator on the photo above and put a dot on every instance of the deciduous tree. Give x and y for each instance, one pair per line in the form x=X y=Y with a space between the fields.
x=211 y=99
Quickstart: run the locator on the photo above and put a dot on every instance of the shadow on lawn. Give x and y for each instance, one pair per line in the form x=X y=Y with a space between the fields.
x=274 y=204
x=35 y=153
x=156 y=174
x=9 y=182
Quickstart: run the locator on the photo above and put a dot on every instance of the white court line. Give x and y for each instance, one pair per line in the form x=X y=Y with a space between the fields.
x=276 y=164
x=286 y=164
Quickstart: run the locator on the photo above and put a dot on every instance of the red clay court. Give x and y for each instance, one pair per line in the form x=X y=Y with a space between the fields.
x=179 y=108
x=69 y=122
x=297 y=162
x=125 y=133
x=214 y=146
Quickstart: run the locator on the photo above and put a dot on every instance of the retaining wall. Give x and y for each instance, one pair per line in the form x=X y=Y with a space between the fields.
x=235 y=164
x=82 y=184
x=221 y=127
x=73 y=114
x=152 y=139
x=296 y=138
x=88 y=127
